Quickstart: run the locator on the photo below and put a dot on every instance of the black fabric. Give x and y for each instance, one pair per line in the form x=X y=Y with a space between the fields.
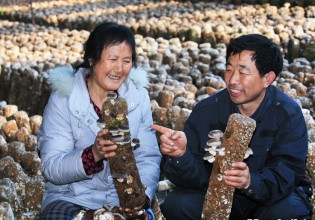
x=186 y=204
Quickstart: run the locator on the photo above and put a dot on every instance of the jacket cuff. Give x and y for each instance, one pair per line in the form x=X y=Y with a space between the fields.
x=147 y=203
x=179 y=161
x=89 y=164
x=253 y=187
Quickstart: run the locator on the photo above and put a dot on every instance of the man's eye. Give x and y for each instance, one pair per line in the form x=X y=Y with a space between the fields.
x=127 y=61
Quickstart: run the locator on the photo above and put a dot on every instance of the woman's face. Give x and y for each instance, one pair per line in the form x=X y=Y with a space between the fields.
x=114 y=66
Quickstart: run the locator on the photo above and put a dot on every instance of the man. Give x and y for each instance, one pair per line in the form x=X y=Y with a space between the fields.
x=270 y=184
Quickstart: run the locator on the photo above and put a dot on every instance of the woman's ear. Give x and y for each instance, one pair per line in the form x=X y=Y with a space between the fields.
x=269 y=78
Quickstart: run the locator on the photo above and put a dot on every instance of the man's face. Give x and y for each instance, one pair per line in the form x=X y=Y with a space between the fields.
x=245 y=86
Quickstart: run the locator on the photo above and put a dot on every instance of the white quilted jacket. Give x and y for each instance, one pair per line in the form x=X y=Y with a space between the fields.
x=69 y=125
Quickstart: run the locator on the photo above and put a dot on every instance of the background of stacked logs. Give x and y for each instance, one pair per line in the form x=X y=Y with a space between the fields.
x=181 y=44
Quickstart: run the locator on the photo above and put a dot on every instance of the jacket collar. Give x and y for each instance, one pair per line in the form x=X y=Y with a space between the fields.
x=66 y=83
x=262 y=108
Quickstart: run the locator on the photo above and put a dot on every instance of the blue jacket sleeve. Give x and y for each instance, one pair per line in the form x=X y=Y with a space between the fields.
x=283 y=166
x=190 y=170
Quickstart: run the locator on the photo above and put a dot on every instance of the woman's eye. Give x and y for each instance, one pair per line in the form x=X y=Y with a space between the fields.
x=127 y=61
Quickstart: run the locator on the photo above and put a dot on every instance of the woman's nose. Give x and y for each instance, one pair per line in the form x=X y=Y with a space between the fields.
x=118 y=66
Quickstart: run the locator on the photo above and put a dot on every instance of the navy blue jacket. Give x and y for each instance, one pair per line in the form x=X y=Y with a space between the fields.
x=279 y=146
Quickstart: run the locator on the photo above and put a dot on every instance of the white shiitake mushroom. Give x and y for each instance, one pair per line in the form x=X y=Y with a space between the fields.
x=248 y=152
x=126 y=140
x=104 y=216
x=135 y=143
x=209 y=157
x=101 y=123
x=117 y=138
x=213 y=142
x=111 y=95
x=220 y=150
x=80 y=215
x=211 y=150
x=124 y=128
x=113 y=131
x=215 y=134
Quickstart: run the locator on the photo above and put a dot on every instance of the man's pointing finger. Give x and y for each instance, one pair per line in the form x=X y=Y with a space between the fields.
x=162 y=129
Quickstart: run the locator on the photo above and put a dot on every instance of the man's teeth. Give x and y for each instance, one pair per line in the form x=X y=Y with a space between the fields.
x=235 y=91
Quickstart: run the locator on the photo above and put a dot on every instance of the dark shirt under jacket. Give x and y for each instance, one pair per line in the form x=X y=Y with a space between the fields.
x=279 y=146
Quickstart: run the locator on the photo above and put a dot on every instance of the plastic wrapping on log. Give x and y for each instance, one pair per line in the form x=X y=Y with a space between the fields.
x=235 y=140
x=123 y=167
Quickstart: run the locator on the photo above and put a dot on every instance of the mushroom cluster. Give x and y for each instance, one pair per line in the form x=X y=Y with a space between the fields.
x=105 y=213
x=214 y=146
x=121 y=134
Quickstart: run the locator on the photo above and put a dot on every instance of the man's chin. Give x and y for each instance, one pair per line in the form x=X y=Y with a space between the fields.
x=235 y=100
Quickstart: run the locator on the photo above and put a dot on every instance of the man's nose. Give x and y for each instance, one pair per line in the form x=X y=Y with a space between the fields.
x=234 y=78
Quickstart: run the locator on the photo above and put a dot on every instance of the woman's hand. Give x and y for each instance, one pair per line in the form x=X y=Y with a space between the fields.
x=103 y=148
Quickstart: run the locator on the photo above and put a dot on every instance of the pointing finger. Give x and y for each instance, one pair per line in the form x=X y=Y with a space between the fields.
x=162 y=130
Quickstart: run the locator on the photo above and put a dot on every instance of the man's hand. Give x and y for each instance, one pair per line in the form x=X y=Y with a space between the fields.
x=173 y=143
x=238 y=176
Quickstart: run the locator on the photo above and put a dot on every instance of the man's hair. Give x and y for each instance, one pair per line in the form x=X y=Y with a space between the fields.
x=267 y=55
x=104 y=35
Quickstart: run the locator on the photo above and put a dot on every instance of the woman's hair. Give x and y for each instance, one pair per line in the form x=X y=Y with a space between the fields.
x=104 y=35
x=267 y=55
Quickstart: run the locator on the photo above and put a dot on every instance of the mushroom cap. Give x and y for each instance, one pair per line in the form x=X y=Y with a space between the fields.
x=248 y=152
x=111 y=95
x=211 y=150
x=126 y=140
x=213 y=142
x=117 y=138
x=221 y=152
x=124 y=128
x=209 y=157
x=135 y=146
x=215 y=134
x=136 y=141
x=219 y=176
x=101 y=123
x=113 y=130
x=116 y=175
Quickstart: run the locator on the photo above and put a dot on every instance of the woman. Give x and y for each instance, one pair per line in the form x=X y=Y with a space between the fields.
x=72 y=149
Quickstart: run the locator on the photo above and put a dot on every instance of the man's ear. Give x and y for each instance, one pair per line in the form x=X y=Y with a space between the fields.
x=91 y=62
x=269 y=78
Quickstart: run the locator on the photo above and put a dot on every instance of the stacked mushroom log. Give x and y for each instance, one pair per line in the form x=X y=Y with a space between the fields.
x=235 y=140
x=123 y=166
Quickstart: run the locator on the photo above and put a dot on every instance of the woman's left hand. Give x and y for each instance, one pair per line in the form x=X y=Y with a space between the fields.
x=103 y=148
